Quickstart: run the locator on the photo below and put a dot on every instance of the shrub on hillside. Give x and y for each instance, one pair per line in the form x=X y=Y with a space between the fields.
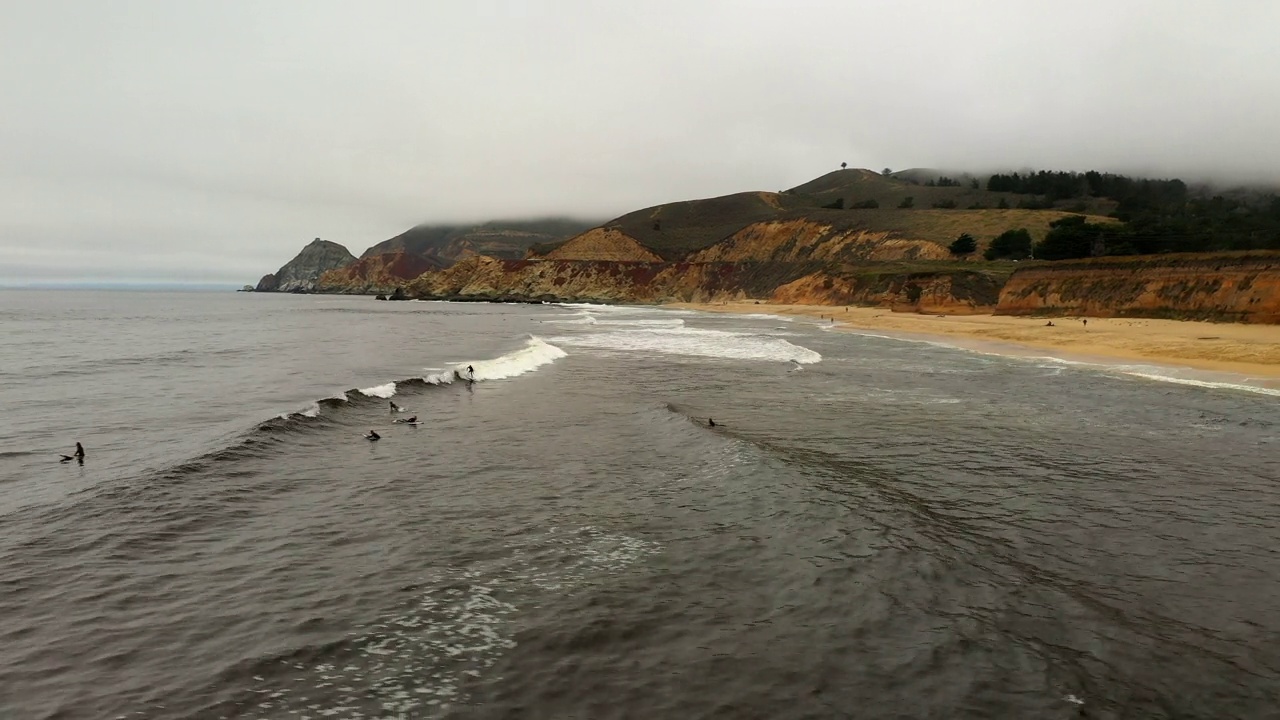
x=963 y=245
x=865 y=205
x=1010 y=245
x=945 y=204
x=907 y=202
x=1074 y=237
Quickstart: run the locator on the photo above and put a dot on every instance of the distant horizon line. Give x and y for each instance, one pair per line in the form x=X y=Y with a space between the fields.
x=119 y=285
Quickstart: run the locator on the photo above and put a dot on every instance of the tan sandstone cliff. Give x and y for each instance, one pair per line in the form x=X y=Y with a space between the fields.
x=1242 y=287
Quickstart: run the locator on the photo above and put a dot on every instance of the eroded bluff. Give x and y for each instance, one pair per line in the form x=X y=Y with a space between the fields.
x=814 y=282
x=1241 y=287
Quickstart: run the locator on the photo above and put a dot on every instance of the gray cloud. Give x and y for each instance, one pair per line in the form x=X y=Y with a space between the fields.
x=210 y=141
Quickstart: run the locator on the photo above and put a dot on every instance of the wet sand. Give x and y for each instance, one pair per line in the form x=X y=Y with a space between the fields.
x=1248 y=350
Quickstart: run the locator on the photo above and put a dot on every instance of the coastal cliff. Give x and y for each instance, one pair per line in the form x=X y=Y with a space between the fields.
x=1239 y=287
x=808 y=282
x=300 y=273
x=372 y=274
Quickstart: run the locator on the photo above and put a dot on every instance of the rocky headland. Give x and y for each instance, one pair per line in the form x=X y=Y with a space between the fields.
x=300 y=273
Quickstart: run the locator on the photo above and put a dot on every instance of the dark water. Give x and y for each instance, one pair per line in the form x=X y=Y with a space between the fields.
x=895 y=529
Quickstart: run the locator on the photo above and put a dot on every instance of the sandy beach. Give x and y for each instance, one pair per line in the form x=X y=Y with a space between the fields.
x=1249 y=350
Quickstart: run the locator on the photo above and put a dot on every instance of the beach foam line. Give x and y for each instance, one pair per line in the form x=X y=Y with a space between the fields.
x=1157 y=373
x=1149 y=373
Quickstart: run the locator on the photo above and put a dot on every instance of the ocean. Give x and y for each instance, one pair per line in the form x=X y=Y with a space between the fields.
x=875 y=527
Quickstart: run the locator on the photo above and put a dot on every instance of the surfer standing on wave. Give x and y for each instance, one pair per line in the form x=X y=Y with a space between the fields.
x=471 y=373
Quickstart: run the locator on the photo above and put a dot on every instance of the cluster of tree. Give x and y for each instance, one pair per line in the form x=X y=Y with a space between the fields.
x=1059 y=185
x=1009 y=245
x=1202 y=225
x=943 y=181
x=1158 y=216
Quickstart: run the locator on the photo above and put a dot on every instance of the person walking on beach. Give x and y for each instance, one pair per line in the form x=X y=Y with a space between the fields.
x=1086 y=323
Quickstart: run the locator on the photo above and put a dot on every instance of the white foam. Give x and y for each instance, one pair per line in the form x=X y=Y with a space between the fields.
x=696 y=342
x=532 y=356
x=1154 y=374
x=418 y=659
x=382 y=391
x=765 y=316
x=626 y=309
x=578 y=319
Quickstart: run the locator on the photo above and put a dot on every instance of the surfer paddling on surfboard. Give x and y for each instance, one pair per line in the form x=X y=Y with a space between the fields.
x=79 y=455
x=411 y=421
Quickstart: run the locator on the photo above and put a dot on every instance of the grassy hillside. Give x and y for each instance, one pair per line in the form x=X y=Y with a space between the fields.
x=675 y=230
x=854 y=187
x=503 y=238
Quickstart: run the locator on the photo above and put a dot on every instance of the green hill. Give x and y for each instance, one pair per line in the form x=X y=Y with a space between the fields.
x=444 y=245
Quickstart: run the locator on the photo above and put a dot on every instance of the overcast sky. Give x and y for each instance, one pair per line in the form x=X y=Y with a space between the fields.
x=209 y=141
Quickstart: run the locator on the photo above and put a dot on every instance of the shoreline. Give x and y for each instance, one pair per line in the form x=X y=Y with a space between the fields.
x=1252 y=351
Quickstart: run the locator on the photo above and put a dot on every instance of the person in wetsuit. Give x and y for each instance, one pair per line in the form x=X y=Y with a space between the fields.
x=78 y=455
x=372 y=436
x=394 y=407
x=472 y=373
x=711 y=423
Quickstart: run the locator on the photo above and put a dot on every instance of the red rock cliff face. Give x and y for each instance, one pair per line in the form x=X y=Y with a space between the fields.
x=1242 y=287
x=374 y=274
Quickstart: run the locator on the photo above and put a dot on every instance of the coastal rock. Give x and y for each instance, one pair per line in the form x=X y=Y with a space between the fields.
x=300 y=273
x=268 y=283
x=384 y=274
x=1240 y=287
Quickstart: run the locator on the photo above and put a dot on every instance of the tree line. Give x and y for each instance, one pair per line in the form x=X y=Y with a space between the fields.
x=1156 y=216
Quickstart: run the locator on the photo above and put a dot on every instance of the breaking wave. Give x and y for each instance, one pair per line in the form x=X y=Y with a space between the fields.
x=321 y=413
x=680 y=340
x=532 y=356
